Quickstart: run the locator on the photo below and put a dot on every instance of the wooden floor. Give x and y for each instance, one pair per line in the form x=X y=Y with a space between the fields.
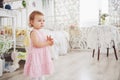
x=77 y=65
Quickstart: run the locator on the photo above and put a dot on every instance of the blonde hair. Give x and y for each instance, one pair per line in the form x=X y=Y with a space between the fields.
x=32 y=16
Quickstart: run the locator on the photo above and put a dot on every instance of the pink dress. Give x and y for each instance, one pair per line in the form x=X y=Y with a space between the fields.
x=38 y=61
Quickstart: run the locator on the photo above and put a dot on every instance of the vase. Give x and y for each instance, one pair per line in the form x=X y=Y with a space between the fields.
x=8 y=6
x=103 y=22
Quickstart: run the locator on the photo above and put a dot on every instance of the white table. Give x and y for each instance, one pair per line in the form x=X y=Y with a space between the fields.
x=103 y=37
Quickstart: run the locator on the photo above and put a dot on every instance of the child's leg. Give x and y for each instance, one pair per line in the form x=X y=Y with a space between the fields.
x=39 y=78
x=33 y=78
x=42 y=78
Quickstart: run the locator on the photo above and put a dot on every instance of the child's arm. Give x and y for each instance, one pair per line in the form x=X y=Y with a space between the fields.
x=36 y=42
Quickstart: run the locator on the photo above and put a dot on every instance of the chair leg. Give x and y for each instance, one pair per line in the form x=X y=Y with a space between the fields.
x=115 y=52
x=107 y=52
x=93 y=53
x=98 y=53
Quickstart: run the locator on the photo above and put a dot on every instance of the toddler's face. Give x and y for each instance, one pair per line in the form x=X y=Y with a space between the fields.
x=38 y=21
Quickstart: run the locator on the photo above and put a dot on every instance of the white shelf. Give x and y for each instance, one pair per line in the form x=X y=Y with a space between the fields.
x=4 y=13
x=11 y=0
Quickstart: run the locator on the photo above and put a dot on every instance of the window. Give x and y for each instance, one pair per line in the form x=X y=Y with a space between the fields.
x=89 y=11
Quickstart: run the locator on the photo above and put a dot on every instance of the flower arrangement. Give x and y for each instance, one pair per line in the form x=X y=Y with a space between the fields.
x=103 y=17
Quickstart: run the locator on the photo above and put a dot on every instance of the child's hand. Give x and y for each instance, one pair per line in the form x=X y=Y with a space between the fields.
x=51 y=43
x=50 y=40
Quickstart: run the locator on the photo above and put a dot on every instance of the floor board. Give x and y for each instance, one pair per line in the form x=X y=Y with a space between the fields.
x=77 y=65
